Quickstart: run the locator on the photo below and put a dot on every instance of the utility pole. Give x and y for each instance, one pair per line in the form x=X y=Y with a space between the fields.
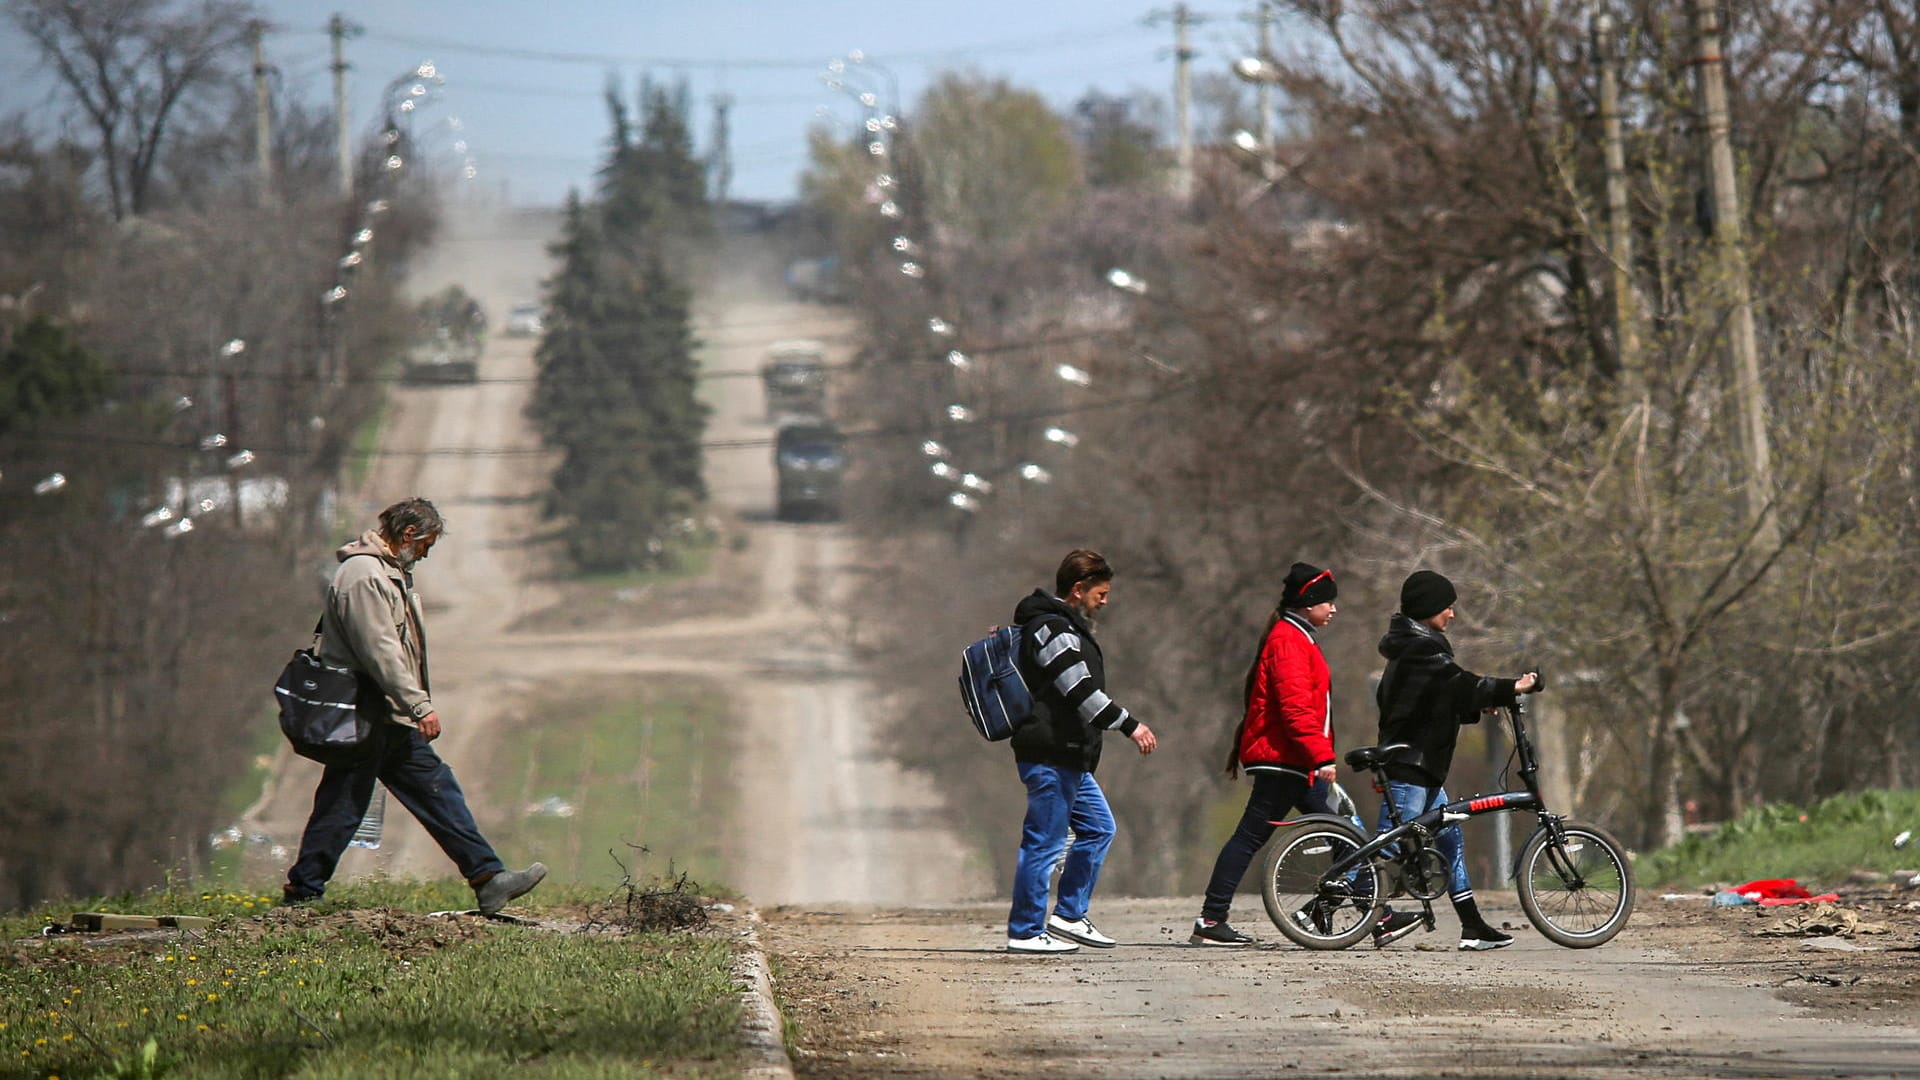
x=1626 y=330
x=722 y=160
x=1182 y=104
x=1729 y=238
x=1263 y=90
x=262 y=112
x=1183 y=54
x=338 y=28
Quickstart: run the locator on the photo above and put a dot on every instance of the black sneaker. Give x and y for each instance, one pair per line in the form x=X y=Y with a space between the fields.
x=1205 y=933
x=1393 y=926
x=1482 y=938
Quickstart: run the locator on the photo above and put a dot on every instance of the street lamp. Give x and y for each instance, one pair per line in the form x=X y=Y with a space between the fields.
x=1122 y=279
x=1256 y=69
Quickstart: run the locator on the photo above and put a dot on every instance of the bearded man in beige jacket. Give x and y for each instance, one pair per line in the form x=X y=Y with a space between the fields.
x=372 y=625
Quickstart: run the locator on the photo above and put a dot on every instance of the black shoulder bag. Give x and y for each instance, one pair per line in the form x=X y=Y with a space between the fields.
x=318 y=707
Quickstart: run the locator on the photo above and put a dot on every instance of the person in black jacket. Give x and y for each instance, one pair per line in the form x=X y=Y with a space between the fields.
x=1424 y=697
x=1057 y=750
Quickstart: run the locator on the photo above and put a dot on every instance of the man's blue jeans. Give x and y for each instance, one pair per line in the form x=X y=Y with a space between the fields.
x=1058 y=800
x=404 y=761
x=1412 y=800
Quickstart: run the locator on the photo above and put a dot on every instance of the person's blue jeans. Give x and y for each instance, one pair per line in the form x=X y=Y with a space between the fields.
x=1412 y=800
x=404 y=761
x=1058 y=800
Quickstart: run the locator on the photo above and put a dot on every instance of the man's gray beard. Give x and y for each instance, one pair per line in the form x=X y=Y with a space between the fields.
x=1087 y=617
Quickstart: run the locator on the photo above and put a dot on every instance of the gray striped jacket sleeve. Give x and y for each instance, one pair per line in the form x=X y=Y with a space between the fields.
x=1059 y=656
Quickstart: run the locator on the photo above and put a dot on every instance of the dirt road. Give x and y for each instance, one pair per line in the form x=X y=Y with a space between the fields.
x=831 y=820
x=1684 y=992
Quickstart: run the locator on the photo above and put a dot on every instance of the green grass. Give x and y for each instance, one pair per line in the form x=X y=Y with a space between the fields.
x=366 y=442
x=631 y=762
x=337 y=993
x=686 y=557
x=1818 y=845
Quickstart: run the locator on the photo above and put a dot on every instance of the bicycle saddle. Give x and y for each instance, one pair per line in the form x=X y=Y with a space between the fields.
x=1372 y=757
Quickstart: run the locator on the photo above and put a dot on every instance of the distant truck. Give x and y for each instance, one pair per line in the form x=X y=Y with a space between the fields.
x=442 y=359
x=816 y=280
x=810 y=462
x=795 y=379
x=525 y=319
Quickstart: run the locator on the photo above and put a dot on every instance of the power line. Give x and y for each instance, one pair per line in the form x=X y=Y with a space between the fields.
x=913 y=431
x=297 y=377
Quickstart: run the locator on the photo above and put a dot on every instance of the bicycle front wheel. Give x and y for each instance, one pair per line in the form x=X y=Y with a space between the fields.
x=1310 y=910
x=1576 y=886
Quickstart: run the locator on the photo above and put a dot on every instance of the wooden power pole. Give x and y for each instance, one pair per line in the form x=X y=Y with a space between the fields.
x=342 y=137
x=1626 y=330
x=262 y=112
x=1182 y=103
x=1729 y=234
x=1263 y=90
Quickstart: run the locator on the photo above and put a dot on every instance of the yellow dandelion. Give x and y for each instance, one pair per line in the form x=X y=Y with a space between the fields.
x=68 y=1037
x=213 y=997
x=229 y=971
x=39 y=1042
x=144 y=1010
x=193 y=958
x=168 y=958
x=179 y=1016
x=225 y=982
x=123 y=1023
x=193 y=982
x=303 y=982
x=248 y=903
x=317 y=960
x=204 y=1027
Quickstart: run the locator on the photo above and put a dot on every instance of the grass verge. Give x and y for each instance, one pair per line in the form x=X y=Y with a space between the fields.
x=1822 y=843
x=582 y=771
x=344 y=990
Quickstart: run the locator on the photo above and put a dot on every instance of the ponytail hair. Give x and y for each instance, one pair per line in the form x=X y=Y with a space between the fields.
x=1246 y=697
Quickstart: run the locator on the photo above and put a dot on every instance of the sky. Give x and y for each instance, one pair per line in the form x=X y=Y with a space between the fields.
x=525 y=80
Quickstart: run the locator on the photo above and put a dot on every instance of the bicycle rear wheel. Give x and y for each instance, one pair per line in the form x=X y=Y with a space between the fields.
x=1577 y=890
x=1310 y=911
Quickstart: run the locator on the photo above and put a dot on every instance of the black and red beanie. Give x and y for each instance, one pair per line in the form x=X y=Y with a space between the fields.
x=1425 y=594
x=1307 y=585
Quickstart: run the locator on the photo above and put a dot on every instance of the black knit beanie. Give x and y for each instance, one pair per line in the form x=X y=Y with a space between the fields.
x=1425 y=594
x=1306 y=586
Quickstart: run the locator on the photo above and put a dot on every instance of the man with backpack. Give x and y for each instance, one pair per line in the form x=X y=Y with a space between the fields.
x=1056 y=750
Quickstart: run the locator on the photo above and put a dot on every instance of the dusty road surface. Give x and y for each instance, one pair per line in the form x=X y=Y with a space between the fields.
x=822 y=815
x=1684 y=992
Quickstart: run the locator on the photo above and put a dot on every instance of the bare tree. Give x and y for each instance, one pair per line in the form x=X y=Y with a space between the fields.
x=131 y=65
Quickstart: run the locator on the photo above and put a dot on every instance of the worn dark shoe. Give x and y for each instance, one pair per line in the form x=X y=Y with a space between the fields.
x=289 y=898
x=506 y=886
x=1206 y=933
x=1394 y=926
x=1482 y=938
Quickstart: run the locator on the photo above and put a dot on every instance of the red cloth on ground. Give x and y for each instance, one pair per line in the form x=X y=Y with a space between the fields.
x=1772 y=889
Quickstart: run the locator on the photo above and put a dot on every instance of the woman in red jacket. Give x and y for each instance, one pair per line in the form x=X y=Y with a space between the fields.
x=1285 y=745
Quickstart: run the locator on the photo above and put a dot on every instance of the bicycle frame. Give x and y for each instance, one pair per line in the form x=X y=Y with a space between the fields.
x=1430 y=822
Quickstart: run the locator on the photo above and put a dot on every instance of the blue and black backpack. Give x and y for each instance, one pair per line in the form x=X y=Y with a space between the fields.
x=996 y=695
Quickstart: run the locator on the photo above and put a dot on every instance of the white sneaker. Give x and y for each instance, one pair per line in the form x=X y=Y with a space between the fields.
x=1080 y=930
x=1042 y=945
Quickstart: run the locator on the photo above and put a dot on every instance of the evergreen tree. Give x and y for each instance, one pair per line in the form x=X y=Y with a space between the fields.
x=616 y=394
